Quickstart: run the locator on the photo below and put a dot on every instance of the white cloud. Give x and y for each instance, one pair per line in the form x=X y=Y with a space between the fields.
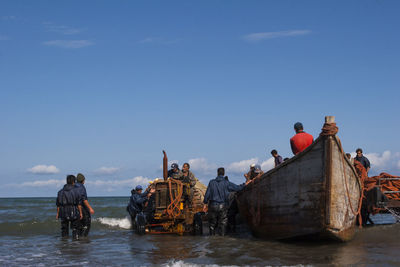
x=65 y=30
x=106 y=170
x=268 y=164
x=4 y=38
x=241 y=166
x=8 y=17
x=101 y=185
x=72 y=44
x=158 y=40
x=40 y=183
x=259 y=36
x=378 y=160
x=113 y=185
x=44 y=169
x=202 y=165
x=398 y=164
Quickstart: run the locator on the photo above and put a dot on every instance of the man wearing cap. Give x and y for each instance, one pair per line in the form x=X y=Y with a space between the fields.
x=137 y=201
x=87 y=210
x=301 y=140
x=175 y=172
x=250 y=174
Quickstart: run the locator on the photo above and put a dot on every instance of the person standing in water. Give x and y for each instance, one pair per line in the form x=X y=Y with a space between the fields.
x=69 y=209
x=87 y=210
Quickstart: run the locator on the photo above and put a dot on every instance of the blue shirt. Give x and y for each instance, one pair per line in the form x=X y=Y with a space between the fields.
x=364 y=161
x=80 y=188
x=218 y=190
x=278 y=160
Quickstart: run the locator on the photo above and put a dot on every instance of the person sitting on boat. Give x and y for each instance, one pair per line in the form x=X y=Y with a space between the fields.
x=137 y=201
x=257 y=171
x=277 y=158
x=250 y=174
x=301 y=140
x=362 y=159
x=175 y=172
x=216 y=201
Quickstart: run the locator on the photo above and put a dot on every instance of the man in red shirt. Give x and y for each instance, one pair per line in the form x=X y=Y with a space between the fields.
x=301 y=140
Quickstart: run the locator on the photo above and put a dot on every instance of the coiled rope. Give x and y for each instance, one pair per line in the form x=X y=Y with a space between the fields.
x=173 y=209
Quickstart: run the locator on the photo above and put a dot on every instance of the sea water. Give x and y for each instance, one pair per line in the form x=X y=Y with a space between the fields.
x=30 y=236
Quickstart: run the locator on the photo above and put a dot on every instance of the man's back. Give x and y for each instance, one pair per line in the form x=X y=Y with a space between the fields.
x=218 y=190
x=300 y=141
x=68 y=200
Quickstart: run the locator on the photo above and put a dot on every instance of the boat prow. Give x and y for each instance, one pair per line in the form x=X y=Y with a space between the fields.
x=315 y=193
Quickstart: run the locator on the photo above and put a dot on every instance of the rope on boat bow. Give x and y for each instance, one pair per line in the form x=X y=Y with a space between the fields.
x=330 y=129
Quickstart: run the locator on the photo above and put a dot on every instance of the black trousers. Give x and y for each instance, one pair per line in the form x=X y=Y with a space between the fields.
x=84 y=224
x=218 y=217
x=73 y=224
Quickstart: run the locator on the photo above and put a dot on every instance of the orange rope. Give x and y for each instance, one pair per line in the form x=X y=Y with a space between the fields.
x=173 y=208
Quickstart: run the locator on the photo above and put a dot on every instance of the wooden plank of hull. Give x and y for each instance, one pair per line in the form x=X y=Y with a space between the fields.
x=305 y=195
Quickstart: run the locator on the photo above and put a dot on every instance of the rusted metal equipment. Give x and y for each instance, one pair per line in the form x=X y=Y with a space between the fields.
x=174 y=211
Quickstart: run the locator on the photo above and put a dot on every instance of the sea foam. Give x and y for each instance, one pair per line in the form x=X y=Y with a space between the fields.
x=124 y=223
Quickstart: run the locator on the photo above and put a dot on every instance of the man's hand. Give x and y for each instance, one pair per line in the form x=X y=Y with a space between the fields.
x=57 y=216
x=205 y=208
x=81 y=216
x=91 y=211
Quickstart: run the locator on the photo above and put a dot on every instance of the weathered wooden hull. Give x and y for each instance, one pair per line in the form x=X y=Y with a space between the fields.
x=315 y=193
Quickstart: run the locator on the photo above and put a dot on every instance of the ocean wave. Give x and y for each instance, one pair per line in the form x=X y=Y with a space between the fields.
x=124 y=223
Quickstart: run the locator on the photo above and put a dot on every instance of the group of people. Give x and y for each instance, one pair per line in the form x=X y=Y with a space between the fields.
x=73 y=208
x=75 y=211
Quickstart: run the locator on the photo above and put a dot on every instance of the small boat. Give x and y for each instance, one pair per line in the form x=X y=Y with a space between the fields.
x=316 y=193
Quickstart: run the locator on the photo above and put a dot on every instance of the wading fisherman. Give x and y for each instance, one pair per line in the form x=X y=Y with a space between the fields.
x=216 y=201
x=69 y=209
x=87 y=210
x=137 y=201
x=175 y=172
x=301 y=140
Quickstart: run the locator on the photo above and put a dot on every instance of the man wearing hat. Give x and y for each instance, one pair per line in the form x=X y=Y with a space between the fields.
x=87 y=210
x=301 y=140
x=137 y=201
x=175 y=172
x=250 y=174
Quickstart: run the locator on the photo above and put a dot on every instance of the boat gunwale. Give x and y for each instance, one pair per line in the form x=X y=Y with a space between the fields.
x=299 y=155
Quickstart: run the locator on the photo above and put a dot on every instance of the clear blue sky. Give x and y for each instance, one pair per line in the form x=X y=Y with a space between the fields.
x=102 y=87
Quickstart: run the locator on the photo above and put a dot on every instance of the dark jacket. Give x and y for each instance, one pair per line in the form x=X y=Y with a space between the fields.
x=175 y=175
x=364 y=161
x=68 y=200
x=82 y=193
x=136 y=201
x=218 y=190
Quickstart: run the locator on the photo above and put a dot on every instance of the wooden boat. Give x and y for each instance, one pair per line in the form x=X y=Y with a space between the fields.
x=315 y=193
